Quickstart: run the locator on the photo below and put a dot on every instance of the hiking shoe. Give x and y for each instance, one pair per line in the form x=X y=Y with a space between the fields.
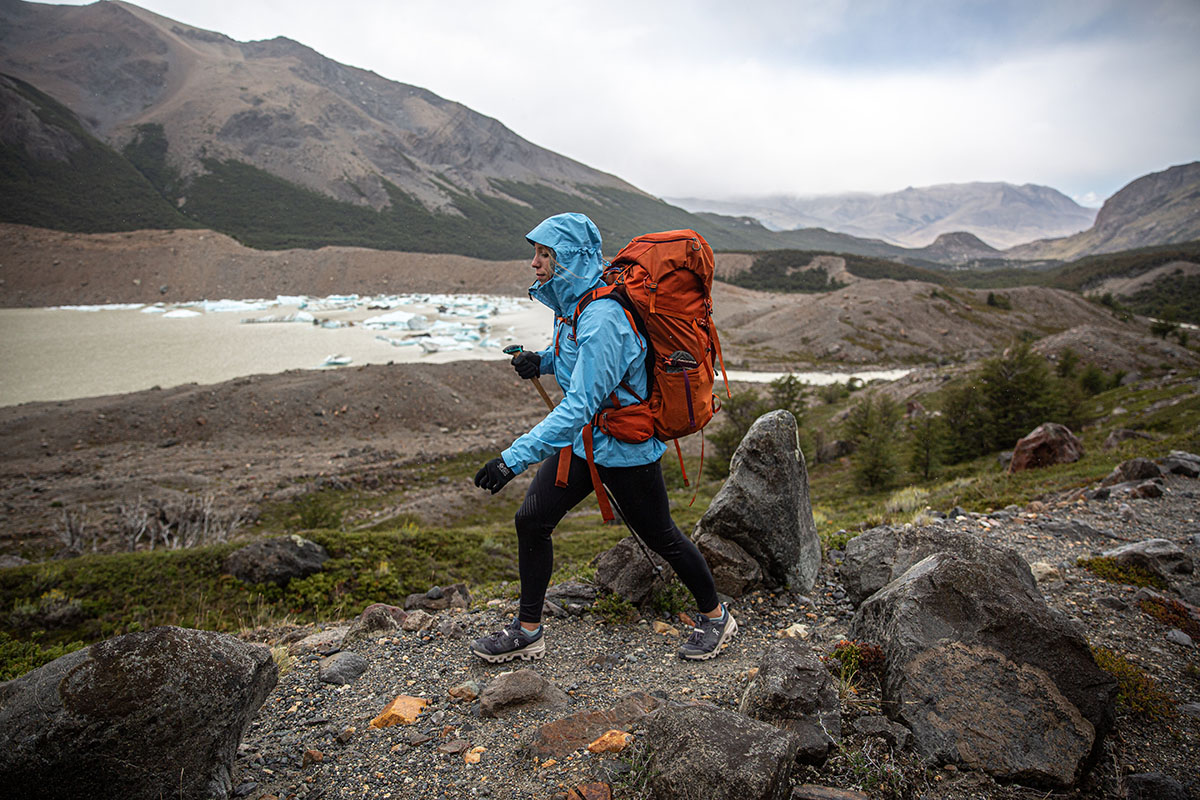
x=509 y=643
x=708 y=637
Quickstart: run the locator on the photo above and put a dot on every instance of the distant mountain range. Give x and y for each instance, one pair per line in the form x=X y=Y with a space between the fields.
x=115 y=118
x=1000 y=214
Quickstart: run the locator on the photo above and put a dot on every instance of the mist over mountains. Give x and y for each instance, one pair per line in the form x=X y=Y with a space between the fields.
x=115 y=118
x=1000 y=214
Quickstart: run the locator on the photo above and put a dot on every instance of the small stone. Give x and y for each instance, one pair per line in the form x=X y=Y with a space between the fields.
x=663 y=628
x=346 y=735
x=244 y=789
x=404 y=710
x=417 y=620
x=472 y=756
x=454 y=746
x=796 y=630
x=613 y=741
x=467 y=691
x=341 y=668
x=311 y=757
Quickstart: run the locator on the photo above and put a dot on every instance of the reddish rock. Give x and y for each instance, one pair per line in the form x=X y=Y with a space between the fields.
x=562 y=737
x=1048 y=444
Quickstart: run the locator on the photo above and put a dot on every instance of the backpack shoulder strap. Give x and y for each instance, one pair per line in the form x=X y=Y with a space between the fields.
x=617 y=292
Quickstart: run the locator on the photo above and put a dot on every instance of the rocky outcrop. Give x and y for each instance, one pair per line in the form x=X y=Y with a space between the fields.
x=876 y=557
x=1047 y=444
x=703 y=751
x=999 y=627
x=375 y=620
x=1159 y=557
x=764 y=505
x=144 y=715
x=276 y=561
x=793 y=691
x=631 y=571
x=437 y=598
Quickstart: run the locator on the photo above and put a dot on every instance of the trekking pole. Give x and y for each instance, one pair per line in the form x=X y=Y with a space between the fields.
x=512 y=350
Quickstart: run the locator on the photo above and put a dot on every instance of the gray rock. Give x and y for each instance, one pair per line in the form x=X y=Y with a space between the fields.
x=734 y=571
x=376 y=620
x=969 y=705
x=1160 y=557
x=572 y=596
x=764 y=505
x=1179 y=462
x=1154 y=786
x=1119 y=435
x=832 y=451
x=1146 y=490
x=8 y=560
x=1176 y=636
x=1190 y=709
x=452 y=628
x=147 y=715
x=522 y=688
x=946 y=598
x=1133 y=470
x=438 y=598
x=875 y=557
x=703 y=751
x=341 y=668
x=626 y=571
x=793 y=691
x=418 y=621
x=897 y=736
x=276 y=560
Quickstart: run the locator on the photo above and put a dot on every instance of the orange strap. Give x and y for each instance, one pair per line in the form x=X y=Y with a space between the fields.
x=601 y=496
x=679 y=452
x=564 y=467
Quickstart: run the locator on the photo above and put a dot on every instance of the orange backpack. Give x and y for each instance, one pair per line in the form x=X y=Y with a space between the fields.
x=664 y=283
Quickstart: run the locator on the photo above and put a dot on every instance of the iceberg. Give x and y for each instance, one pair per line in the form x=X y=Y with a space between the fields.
x=337 y=360
x=223 y=306
x=181 y=313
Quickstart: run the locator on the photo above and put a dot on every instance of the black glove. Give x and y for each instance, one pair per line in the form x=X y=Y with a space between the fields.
x=493 y=475
x=528 y=365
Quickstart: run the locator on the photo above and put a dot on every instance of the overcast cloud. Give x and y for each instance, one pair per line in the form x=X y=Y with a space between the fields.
x=717 y=99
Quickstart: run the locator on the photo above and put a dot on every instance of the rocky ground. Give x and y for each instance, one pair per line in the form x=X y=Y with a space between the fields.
x=596 y=663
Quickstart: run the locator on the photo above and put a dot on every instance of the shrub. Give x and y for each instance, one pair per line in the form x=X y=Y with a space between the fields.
x=18 y=657
x=1109 y=569
x=1135 y=690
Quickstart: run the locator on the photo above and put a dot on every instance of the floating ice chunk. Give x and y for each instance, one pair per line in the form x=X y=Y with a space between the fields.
x=157 y=308
x=398 y=319
x=181 y=313
x=397 y=342
x=337 y=360
x=297 y=300
x=101 y=307
x=299 y=316
x=222 y=306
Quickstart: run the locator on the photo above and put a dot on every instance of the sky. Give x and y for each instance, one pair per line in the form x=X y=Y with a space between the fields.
x=722 y=100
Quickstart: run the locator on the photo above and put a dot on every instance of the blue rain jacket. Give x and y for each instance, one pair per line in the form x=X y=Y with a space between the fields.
x=591 y=362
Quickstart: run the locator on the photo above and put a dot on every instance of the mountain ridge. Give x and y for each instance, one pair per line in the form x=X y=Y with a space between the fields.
x=1000 y=214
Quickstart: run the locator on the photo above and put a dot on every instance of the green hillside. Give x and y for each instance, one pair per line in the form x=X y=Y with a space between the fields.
x=93 y=190
x=783 y=271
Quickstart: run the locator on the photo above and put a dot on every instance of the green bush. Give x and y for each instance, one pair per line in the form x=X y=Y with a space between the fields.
x=18 y=657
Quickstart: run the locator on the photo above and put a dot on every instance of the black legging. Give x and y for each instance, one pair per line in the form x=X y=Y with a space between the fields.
x=641 y=496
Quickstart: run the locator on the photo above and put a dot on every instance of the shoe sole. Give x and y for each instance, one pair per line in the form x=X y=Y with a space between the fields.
x=534 y=652
x=730 y=630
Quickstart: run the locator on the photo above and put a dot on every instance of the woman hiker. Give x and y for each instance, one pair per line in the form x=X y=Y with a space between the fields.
x=602 y=355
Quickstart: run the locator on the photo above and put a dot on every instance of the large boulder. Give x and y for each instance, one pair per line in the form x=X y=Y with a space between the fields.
x=946 y=599
x=875 y=557
x=969 y=705
x=627 y=569
x=1160 y=557
x=764 y=505
x=1135 y=469
x=1044 y=446
x=147 y=715
x=792 y=690
x=276 y=560
x=703 y=751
